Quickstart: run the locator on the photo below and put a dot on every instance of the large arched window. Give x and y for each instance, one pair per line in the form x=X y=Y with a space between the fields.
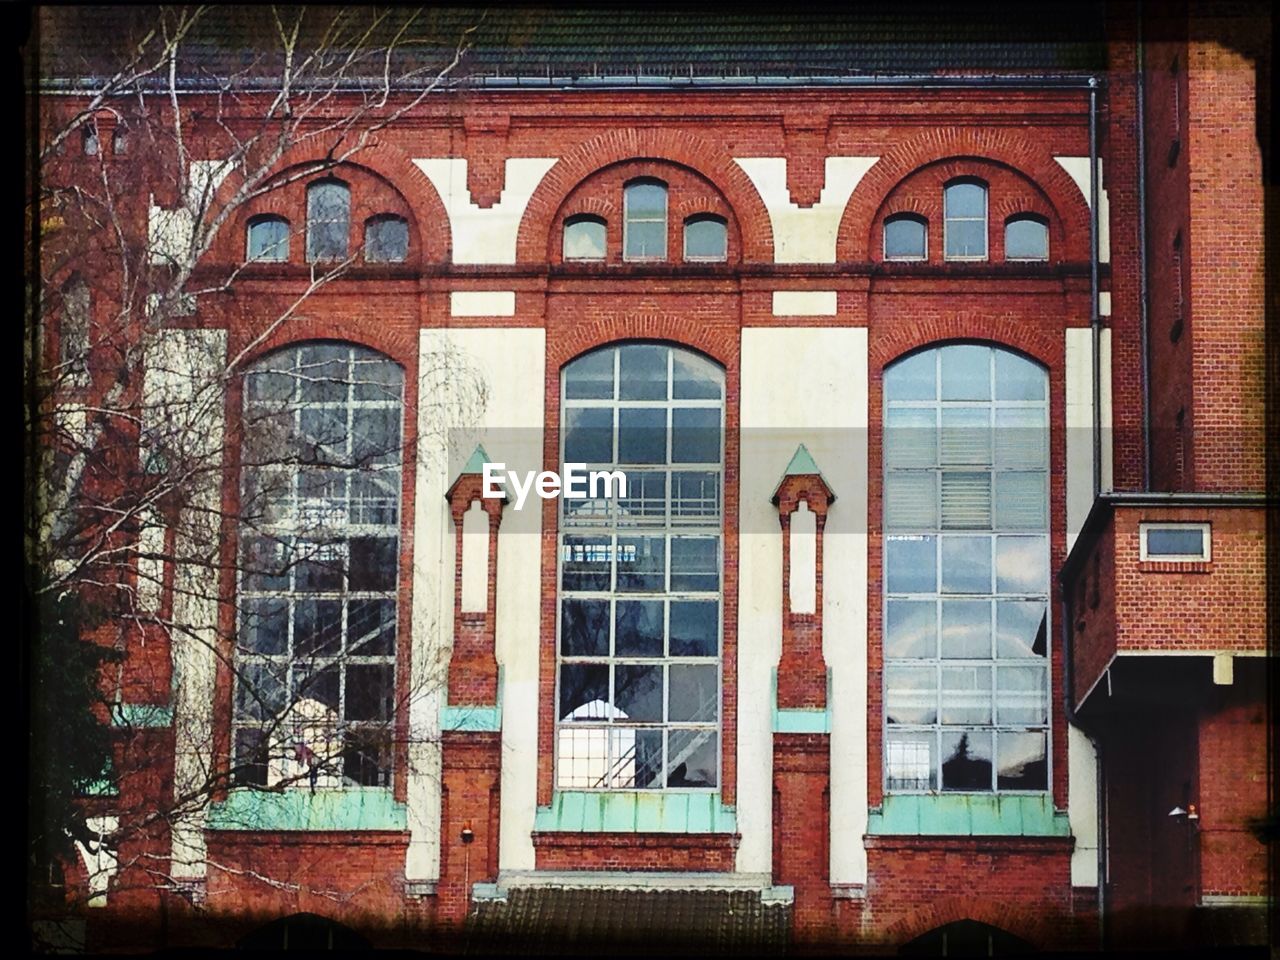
x=319 y=548
x=966 y=571
x=638 y=677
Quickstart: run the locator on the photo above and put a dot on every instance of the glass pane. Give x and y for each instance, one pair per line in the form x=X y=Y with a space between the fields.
x=582 y=758
x=642 y=372
x=646 y=239
x=1021 y=696
x=646 y=200
x=910 y=761
x=371 y=627
x=637 y=692
x=373 y=563
x=320 y=567
x=966 y=435
x=269 y=240
x=966 y=501
x=966 y=238
x=693 y=692
x=1018 y=378
x=1022 y=565
x=641 y=564
x=328 y=219
x=914 y=378
x=322 y=498
x=366 y=758
x=695 y=628
x=966 y=763
x=374 y=498
x=1026 y=240
x=264 y=626
x=966 y=695
x=691 y=758
x=584 y=691
x=642 y=763
x=694 y=377
x=250 y=758
x=375 y=435
x=911 y=437
x=375 y=378
x=966 y=629
x=590 y=377
x=646 y=498
x=386 y=239
x=695 y=435
x=911 y=695
x=637 y=629
x=694 y=494
x=1021 y=629
x=705 y=239
x=370 y=691
x=966 y=372
x=1021 y=501
x=911 y=501
x=1022 y=437
x=260 y=691
x=585 y=562
x=584 y=240
x=1173 y=542
x=588 y=435
x=695 y=563
x=1022 y=762
x=317 y=628
x=584 y=628
x=317 y=684
x=966 y=564
x=965 y=200
x=904 y=239
x=265 y=563
x=642 y=435
x=911 y=564
x=911 y=629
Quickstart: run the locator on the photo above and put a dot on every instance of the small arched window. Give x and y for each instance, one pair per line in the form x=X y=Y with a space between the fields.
x=386 y=239
x=328 y=220
x=584 y=238
x=268 y=239
x=906 y=237
x=706 y=237
x=965 y=220
x=1026 y=237
x=644 y=235
x=89 y=139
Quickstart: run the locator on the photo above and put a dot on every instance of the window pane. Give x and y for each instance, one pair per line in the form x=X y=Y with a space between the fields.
x=641 y=564
x=1171 y=541
x=911 y=629
x=705 y=239
x=1021 y=695
x=373 y=563
x=693 y=692
x=317 y=628
x=695 y=494
x=966 y=564
x=323 y=372
x=260 y=691
x=1022 y=565
x=966 y=629
x=911 y=695
x=1026 y=239
x=328 y=220
x=695 y=435
x=966 y=695
x=588 y=435
x=911 y=437
x=584 y=239
x=966 y=501
x=370 y=692
x=965 y=200
x=911 y=565
x=643 y=763
x=646 y=240
x=642 y=435
x=966 y=436
x=584 y=628
x=691 y=758
x=695 y=378
x=637 y=692
x=914 y=378
x=904 y=239
x=264 y=626
x=269 y=240
x=966 y=763
x=966 y=372
x=910 y=761
x=1022 y=437
x=1021 y=629
x=1021 y=501
x=642 y=372
x=646 y=200
x=1022 y=761
x=584 y=691
x=371 y=627
x=966 y=238
x=590 y=377
x=638 y=629
x=386 y=239
x=695 y=628
x=1018 y=378
x=646 y=499
x=695 y=563
x=911 y=501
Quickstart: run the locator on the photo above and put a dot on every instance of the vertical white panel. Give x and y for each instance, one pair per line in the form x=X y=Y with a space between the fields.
x=1079 y=404
x=1082 y=808
x=475 y=559
x=804 y=556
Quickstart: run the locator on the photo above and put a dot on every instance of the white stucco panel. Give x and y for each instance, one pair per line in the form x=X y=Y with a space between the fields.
x=482 y=303
x=169 y=231
x=1078 y=169
x=485 y=235
x=804 y=303
x=1079 y=397
x=805 y=235
x=1082 y=808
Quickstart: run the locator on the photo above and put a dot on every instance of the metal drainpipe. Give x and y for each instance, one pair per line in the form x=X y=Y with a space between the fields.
x=1144 y=307
x=1095 y=315
x=1100 y=801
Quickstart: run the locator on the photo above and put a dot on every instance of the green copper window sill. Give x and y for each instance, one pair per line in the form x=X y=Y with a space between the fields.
x=582 y=811
x=297 y=808
x=968 y=814
x=141 y=715
x=471 y=718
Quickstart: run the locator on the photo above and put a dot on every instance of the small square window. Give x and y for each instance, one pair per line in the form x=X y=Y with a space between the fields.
x=1175 y=541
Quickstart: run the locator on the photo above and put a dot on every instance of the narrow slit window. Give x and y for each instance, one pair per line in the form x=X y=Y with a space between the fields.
x=965 y=221
x=645 y=222
x=328 y=220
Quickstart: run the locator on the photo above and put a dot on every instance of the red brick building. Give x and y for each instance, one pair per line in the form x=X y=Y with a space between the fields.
x=933 y=615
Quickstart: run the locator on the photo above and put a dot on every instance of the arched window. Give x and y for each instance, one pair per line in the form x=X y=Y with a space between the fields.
x=644 y=234
x=1026 y=237
x=964 y=220
x=268 y=239
x=706 y=237
x=584 y=238
x=966 y=571
x=906 y=237
x=319 y=546
x=328 y=220
x=386 y=239
x=73 y=327
x=638 y=678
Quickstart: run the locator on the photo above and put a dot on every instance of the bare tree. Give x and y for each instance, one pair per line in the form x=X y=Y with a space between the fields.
x=152 y=144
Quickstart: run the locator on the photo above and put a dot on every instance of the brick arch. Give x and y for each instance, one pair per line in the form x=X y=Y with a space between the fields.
x=390 y=164
x=1006 y=147
x=1021 y=920
x=1005 y=331
x=719 y=345
x=396 y=345
x=702 y=156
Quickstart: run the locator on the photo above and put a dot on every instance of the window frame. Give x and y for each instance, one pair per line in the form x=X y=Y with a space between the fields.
x=580 y=219
x=697 y=218
x=381 y=219
x=312 y=221
x=668 y=530
x=1206 y=541
x=264 y=219
x=923 y=222
x=1027 y=218
x=985 y=219
x=628 y=218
